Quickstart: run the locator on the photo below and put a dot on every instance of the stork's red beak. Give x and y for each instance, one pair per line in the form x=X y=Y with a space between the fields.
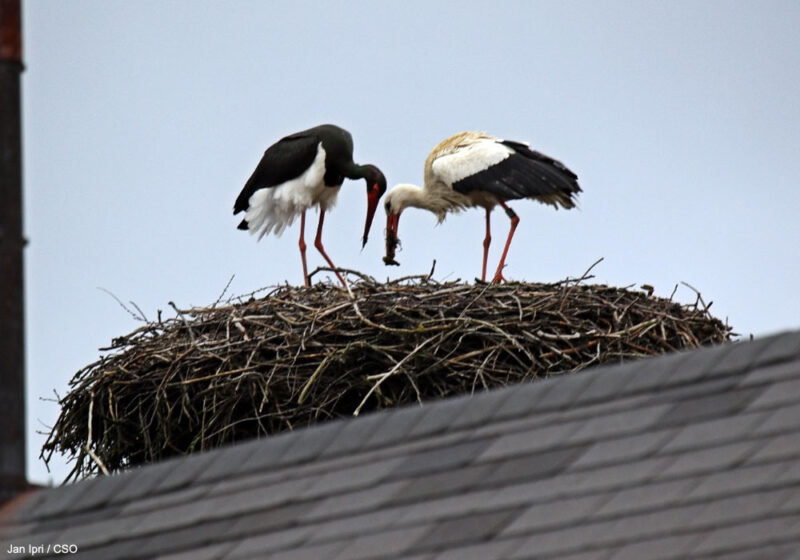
x=391 y=239
x=373 y=196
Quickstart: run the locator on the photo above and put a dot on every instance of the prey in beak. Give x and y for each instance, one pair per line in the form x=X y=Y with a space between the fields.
x=391 y=239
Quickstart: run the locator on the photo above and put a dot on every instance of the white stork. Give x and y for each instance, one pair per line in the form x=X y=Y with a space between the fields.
x=473 y=169
x=302 y=170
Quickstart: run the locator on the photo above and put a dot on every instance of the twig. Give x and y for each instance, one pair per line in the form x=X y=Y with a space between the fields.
x=139 y=317
x=88 y=445
x=384 y=376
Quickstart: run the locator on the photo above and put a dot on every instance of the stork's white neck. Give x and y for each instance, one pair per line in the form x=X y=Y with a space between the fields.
x=405 y=195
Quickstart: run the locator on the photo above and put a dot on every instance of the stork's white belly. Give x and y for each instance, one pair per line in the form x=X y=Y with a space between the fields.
x=273 y=209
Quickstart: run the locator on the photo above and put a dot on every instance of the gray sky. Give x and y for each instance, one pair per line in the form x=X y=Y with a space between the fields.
x=143 y=120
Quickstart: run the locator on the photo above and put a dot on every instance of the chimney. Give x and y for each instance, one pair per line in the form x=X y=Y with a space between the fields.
x=12 y=326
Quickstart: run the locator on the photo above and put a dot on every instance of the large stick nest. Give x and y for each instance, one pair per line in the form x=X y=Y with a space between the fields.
x=298 y=356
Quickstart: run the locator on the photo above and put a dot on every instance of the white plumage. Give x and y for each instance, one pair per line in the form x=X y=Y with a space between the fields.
x=469 y=160
x=272 y=210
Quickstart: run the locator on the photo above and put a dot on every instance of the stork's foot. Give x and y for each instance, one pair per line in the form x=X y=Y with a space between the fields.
x=498 y=277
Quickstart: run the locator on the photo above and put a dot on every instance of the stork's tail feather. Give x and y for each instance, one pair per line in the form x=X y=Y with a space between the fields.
x=561 y=181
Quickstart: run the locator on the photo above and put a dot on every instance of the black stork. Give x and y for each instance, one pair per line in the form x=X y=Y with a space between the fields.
x=299 y=171
x=472 y=169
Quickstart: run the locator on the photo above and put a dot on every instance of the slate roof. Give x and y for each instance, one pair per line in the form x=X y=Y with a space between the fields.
x=690 y=455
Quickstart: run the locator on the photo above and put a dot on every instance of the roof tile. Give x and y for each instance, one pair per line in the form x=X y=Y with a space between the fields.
x=744 y=355
x=399 y=423
x=163 y=500
x=268 y=454
x=762 y=552
x=354 y=502
x=781 y=420
x=717 y=431
x=309 y=443
x=659 y=494
x=350 y=478
x=61 y=501
x=523 y=399
x=711 y=459
x=778 y=447
x=658 y=523
x=663 y=548
x=782 y=347
x=315 y=552
x=777 y=394
x=456 y=505
x=610 y=477
x=388 y=544
x=184 y=538
x=228 y=461
x=469 y=529
x=211 y=552
x=558 y=542
x=533 y=466
x=442 y=483
x=252 y=499
x=139 y=482
x=438 y=419
x=624 y=449
x=659 y=373
x=353 y=525
x=741 y=507
x=493 y=550
x=535 y=439
x=710 y=406
x=353 y=436
x=609 y=382
x=565 y=390
x=781 y=371
x=259 y=545
x=272 y=519
x=618 y=423
x=184 y=472
x=438 y=459
x=471 y=416
x=568 y=511
x=744 y=478
x=732 y=538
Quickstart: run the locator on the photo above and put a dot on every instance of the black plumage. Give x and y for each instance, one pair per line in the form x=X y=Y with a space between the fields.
x=525 y=173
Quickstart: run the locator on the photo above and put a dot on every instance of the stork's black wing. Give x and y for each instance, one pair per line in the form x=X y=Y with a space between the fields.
x=284 y=160
x=525 y=173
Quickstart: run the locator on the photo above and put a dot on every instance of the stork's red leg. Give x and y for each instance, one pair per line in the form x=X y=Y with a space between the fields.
x=321 y=249
x=302 y=244
x=486 y=242
x=498 y=276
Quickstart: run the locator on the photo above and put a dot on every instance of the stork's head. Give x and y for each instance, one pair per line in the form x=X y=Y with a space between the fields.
x=376 y=186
